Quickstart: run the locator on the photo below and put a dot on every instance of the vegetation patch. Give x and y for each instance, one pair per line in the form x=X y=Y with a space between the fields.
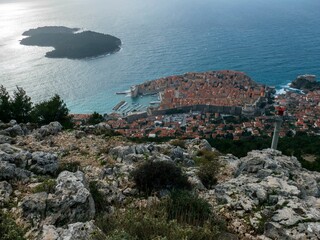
x=154 y=176
x=154 y=223
x=69 y=166
x=209 y=167
x=9 y=229
x=47 y=186
x=188 y=208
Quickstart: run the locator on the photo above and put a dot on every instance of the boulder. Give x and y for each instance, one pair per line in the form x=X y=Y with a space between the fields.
x=275 y=186
x=52 y=128
x=44 y=163
x=5 y=139
x=71 y=202
x=15 y=130
x=7 y=171
x=195 y=145
x=177 y=153
x=75 y=231
x=34 y=207
x=5 y=192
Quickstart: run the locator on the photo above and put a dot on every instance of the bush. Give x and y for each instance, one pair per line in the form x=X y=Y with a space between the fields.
x=154 y=176
x=206 y=156
x=69 y=166
x=9 y=229
x=209 y=167
x=208 y=173
x=188 y=208
x=95 y=118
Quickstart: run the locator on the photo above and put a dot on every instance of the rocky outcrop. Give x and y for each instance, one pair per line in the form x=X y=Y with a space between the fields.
x=44 y=163
x=52 y=128
x=71 y=202
x=5 y=139
x=9 y=171
x=16 y=163
x=14 y=129
x=306 y=83
x=75 y=231
x=5 y=192
x=273 y=195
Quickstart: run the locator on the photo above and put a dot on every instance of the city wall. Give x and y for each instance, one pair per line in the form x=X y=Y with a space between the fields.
x=232 y=110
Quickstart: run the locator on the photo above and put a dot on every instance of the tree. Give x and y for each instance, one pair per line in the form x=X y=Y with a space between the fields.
x=52 y=110
x=21 y=106
x=95 y=118
x=5 y=108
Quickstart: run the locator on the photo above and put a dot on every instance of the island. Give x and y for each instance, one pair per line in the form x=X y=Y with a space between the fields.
x=71 y=43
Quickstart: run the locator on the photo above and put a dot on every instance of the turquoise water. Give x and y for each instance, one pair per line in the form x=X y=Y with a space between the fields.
x=272 y=41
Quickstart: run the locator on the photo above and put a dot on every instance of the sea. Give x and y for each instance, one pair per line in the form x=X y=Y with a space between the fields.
x=272 y=41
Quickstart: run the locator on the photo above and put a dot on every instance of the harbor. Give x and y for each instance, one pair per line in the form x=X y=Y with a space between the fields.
x=124 y=108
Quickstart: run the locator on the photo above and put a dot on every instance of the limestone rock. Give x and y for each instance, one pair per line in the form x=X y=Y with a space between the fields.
x=71 y=202
x=52 y=128
x=5 y=139
x=34 y=207
x=5 y=192
x=75 y=231
x=276 y=187
x=44 y=163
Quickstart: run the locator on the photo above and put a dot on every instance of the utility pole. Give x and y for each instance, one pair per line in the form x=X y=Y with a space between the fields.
x=277 y=126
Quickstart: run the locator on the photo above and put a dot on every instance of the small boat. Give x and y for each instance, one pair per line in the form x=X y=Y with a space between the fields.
x=155 y=102
x=124 y=92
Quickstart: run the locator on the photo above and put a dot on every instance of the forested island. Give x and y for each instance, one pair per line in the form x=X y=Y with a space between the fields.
x=70 y=43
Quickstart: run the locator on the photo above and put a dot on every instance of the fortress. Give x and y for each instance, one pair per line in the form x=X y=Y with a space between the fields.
x=225 y=92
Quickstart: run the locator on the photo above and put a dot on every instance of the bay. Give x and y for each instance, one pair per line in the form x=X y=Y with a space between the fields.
x=272 y=41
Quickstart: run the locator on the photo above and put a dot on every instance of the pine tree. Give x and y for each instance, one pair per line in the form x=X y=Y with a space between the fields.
x=5 y=108
x=21 y=106
x=52 y=110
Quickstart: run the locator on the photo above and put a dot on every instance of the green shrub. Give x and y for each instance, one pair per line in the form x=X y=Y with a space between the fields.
x=47 y=186
x=69 y=166
x=95 y=118
x=9 y=229
x=188 y=208
x=154 y=176
x=209 y=167
x=208 y=173
x=206 y=156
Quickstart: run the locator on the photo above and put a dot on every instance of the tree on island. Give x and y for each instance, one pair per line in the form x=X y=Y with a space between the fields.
x=52 y=110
